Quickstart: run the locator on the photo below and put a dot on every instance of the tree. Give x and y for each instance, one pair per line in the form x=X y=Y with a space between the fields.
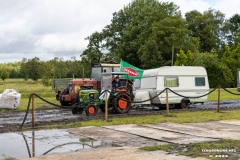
x=4 y=73
x=13 y=69
x=59 y=69
x=32 y=69
x=46 y=74
x=136 y=34
x=24 y=70
x=170 y=34
x=207 y=27
x=232 y=31
x=182 y=59
x=74 y=68
x=232 y=59
x=94 y=49
x=218 y=71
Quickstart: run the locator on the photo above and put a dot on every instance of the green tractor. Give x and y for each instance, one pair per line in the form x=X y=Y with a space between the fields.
x=119 y=98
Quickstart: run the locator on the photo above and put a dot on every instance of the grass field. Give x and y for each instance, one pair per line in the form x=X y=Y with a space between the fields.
x=224 y=95
x=25 y=88
x=28 y=87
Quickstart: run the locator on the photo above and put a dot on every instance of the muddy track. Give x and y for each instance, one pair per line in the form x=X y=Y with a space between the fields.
x=11 y=121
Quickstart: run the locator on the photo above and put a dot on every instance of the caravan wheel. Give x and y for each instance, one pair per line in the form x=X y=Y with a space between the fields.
x=185 y=104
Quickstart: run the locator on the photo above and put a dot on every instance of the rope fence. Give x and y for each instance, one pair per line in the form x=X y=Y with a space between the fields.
x=166 y=90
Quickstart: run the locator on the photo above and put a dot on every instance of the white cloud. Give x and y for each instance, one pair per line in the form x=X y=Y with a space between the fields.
x=60 y=25
x=229 y=7
x=189 y=5
x=51 y=25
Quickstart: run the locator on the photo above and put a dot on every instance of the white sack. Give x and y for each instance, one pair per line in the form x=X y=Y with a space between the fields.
x=10 y=99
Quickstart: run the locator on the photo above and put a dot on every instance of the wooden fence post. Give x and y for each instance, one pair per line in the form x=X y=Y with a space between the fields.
x=106 y=106
x=33 y=143
x=167 y=105
x=219 y=98
x=33 y=111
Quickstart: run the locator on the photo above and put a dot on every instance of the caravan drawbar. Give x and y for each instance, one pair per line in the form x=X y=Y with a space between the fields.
x=189 y=81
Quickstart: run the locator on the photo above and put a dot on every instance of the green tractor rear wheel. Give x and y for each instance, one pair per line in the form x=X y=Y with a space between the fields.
x=122 y=103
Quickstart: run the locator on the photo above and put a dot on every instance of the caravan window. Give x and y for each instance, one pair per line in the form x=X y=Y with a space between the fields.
x=171 y=82
x=150 y=82
x=199 y=81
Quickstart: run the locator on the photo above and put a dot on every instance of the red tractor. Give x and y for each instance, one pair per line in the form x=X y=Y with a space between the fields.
x=67 y=96
x=66 y=89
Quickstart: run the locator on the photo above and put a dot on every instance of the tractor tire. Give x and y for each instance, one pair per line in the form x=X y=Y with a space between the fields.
x=76 y=98
x=76 y=110
x=110 y=110
x=91 y=110
x=102 y=108
x=66 y=103
x=120 y=105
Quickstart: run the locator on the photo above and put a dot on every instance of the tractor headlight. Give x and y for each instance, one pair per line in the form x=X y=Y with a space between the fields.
x=91 y=96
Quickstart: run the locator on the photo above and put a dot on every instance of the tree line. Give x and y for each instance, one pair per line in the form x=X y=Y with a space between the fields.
x=36 y=69
x=150 y=34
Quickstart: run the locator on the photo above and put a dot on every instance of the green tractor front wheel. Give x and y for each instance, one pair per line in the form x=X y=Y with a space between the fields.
x=91 y=110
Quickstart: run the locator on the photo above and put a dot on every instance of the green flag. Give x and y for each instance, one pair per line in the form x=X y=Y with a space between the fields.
x=133 y=72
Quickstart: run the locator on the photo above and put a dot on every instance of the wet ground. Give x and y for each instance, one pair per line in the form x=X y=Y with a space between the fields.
x=46 y=142
x=12 y=120
x=118 y=139
x=123 y=140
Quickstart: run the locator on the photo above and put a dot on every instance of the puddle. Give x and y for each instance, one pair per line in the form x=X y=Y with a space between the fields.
x=36 y=143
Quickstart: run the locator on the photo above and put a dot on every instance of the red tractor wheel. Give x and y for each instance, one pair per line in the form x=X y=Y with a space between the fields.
x=122 y=102
x=91 y=110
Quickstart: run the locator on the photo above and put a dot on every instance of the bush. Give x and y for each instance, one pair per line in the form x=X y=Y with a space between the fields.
x=46 y=81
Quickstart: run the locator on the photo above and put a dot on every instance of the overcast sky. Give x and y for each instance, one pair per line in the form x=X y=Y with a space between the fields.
x=48 y=27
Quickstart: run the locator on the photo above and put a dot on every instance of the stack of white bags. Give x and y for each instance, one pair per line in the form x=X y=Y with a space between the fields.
x=10 y=99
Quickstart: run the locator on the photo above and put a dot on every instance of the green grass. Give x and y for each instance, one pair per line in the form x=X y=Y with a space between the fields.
x=224 y=95
x=226 y=148
x=166 y=147
x=25 y=88
x=180 y=117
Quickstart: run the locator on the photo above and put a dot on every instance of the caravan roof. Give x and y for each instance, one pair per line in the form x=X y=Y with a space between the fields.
x=175 y=70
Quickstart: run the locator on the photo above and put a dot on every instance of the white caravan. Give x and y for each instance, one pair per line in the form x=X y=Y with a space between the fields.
x=189 y=81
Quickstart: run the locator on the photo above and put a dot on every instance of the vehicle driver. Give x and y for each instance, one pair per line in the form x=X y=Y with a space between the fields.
x=116 y=82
